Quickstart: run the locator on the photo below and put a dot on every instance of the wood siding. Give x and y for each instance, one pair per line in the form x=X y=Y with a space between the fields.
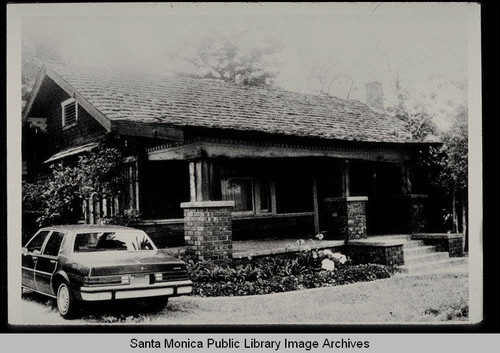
x=85 y=130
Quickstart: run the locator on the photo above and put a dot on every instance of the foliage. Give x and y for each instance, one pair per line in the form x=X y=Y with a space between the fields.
x=57 y=199
x=288 y=272
x=123 y=219
x=223 y=57
x=453 y=154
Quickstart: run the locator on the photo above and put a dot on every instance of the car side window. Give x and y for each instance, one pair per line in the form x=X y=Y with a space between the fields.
x=53 y=244
x=35 y=244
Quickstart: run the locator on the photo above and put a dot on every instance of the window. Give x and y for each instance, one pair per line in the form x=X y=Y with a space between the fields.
x=69 y=112
x=294 y=195
x=265 y=195
x=112 y=241
x=36 y=243
x=53 y=244
x=239 y=190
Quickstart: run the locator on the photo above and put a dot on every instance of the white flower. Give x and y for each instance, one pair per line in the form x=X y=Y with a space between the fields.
x=319 y=236
x=328 y=253
x=328 y=265
x=338 y=257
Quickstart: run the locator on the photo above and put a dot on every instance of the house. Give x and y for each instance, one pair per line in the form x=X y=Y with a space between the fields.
x=209 y=161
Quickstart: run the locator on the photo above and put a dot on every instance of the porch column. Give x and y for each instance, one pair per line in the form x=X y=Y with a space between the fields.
x=208 y=229
x=344 y=169
x=412 y=203
x=202 y=181
x=346 y=217
x=316 y=206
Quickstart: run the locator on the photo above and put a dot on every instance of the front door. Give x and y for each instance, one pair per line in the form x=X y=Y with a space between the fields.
x=30 y=256
x=382 y=211
x=47 y=263
x=381 y=182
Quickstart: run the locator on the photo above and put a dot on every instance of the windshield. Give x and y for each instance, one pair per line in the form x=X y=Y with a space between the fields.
x=112 y=241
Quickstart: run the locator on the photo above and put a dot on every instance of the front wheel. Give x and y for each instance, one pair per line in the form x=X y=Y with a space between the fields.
x=156 y=303
x=66 y=302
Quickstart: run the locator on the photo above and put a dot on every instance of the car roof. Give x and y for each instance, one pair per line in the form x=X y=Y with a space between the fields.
x=84 y=227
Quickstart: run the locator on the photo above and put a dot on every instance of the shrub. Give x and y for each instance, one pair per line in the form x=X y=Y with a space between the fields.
x=275 y=274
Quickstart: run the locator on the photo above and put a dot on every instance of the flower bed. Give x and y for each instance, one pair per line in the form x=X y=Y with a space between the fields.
x=281 y=273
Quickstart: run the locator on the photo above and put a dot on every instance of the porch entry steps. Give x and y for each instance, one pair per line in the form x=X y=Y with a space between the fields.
x=419 y=257
x=433 y=265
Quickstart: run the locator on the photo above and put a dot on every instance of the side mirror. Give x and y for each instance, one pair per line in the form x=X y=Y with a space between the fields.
x=24 y=250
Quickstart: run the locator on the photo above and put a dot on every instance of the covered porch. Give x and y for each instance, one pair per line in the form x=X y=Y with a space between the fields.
x=277 y=190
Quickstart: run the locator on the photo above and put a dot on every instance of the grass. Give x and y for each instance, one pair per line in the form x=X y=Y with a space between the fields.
x=437 y=297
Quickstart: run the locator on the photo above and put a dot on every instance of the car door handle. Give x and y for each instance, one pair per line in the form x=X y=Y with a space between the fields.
x=53 y=261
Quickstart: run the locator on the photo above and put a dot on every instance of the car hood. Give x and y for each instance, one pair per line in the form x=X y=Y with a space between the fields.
x=116 y=262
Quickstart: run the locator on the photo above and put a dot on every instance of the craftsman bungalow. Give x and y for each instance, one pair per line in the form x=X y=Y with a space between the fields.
x=208 y=160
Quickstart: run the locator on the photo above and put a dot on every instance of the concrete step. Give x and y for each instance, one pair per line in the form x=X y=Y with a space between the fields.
x=419 y=250
x=413 y=244
x=432 y=265
x=392 y=237
x=426 y=258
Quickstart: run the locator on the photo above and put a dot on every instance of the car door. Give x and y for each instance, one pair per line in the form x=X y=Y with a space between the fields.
x=31 y=252
x=46 y=264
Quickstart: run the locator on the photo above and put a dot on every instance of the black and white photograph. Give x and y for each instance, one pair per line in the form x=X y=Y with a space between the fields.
x=244 y=164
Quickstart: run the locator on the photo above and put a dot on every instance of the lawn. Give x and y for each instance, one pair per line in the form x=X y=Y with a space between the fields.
x=436 y=297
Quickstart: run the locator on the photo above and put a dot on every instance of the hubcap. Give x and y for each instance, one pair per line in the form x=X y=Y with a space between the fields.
x=63 y=298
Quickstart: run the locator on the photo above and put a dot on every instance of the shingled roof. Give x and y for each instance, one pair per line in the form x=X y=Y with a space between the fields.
x=209 y=103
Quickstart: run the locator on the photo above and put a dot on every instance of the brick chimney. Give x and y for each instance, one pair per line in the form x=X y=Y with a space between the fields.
x=375 y=95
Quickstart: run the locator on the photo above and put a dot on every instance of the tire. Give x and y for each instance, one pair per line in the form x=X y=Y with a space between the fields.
x=156 y=303
x=67 y=304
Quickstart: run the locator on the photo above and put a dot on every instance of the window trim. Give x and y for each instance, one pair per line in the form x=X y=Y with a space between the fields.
x=63 y=105
x=252 y=189
x=256 y=205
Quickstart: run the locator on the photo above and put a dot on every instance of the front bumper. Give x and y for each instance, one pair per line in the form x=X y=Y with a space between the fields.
x=170 y=289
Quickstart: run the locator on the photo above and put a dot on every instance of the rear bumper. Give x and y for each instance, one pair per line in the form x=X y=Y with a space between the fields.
x=170 y=289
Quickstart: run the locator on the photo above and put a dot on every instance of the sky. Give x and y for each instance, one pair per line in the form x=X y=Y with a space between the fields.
x=427 y=44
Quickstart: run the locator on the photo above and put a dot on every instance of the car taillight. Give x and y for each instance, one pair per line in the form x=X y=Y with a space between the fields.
x=107 y=280
x=171 y=276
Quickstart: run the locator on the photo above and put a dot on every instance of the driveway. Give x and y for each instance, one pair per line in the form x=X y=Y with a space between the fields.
x=402 y=298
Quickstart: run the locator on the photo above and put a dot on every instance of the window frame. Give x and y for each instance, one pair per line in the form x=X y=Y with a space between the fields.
x=227 y=180
x=49 y=233
x=63 y=112
x=255 y=197
x=49 y=237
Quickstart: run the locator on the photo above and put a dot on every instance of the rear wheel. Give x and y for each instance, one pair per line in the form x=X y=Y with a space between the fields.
x=156 y=303
x=66 y=301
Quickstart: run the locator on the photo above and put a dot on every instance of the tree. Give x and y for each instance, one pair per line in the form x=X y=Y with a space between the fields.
x=224 y=57
x=326 y=78
x=454 y=166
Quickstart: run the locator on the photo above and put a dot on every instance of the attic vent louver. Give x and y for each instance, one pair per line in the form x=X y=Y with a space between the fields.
x=69 y=112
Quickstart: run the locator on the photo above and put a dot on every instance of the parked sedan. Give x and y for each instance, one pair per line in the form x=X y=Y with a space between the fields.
x=78 y=263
